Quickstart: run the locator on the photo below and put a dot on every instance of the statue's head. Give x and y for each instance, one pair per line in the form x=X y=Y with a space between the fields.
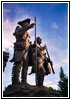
x=39 y=40
x=25 y=22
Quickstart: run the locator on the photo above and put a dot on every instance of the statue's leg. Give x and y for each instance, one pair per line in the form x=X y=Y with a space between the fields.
x=16 y=71
x=24 y=72
x=40 y=72
x=40 y=77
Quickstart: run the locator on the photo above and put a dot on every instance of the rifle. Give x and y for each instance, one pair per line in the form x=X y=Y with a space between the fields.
x=50 y=61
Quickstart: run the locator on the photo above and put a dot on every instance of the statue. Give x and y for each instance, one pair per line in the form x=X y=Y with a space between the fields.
x=5 y=59
x=43 y=67
x=21 y=48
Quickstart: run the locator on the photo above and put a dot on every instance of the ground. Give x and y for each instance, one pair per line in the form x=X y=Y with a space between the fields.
x=28 y=91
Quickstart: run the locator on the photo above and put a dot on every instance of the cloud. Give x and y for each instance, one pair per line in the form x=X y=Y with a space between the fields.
x=31 y=79
x=8 y=38
x=6 y=77
x=58 y=54
x=7 y=10
x=54 y=86
x=60 y=59
x=50 y=82
x=54 y=25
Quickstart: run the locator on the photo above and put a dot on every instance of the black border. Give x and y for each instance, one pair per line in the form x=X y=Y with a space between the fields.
x=68 y=51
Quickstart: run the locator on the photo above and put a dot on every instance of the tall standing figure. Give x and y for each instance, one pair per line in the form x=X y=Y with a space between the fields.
x=21 y=48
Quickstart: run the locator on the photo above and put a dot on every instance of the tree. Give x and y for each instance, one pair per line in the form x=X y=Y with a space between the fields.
x=63 y=83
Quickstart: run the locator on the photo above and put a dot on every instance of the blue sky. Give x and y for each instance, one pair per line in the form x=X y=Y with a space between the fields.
x=52 y=27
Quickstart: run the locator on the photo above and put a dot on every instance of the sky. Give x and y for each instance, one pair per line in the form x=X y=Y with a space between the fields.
x=52 y=27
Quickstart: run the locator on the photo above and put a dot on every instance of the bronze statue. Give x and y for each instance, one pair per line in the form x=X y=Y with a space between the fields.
x=40 y=61
x=22 y=58
x=21 y=48
x=43 y=67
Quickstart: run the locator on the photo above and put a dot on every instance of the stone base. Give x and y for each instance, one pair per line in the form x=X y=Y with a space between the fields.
x=28 y=91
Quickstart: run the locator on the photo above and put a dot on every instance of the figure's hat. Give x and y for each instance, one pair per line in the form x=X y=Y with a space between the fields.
x=24 y=21
x=38 y=38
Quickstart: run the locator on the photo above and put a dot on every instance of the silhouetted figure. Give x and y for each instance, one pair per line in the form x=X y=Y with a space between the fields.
x=5 y=59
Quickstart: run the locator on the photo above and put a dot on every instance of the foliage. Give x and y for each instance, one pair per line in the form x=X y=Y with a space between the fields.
x=63 y=83
x=50 y=89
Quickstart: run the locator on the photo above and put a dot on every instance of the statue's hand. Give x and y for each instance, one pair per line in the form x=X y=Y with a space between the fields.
x=33 y=25
x=45 y=47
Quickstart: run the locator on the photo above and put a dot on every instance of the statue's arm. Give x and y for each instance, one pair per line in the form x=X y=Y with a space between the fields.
x=27 y=27
x=43 y=48
x=20 y=30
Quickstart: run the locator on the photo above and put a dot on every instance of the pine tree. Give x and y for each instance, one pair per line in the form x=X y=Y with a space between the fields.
x=63 y=83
